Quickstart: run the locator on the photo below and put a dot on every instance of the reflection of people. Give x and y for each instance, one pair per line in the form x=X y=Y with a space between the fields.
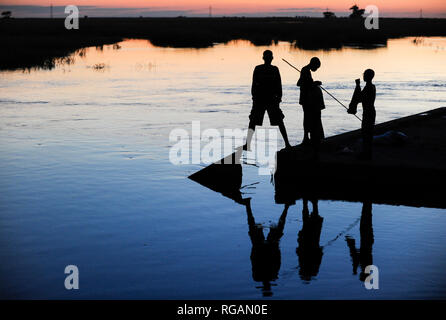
x=265 y=253
x=367 y=97
x=312 y=102
x=309 y=251
x=266 y=93
x=363 y=257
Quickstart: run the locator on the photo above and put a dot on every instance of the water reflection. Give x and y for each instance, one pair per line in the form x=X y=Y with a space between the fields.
x=309 y=250
x=265 y=253
x=363 y=256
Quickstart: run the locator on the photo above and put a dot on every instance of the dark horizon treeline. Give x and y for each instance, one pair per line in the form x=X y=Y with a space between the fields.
x=38 y=43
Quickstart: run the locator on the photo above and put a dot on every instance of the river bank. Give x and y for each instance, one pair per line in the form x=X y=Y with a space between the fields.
x=41 y=43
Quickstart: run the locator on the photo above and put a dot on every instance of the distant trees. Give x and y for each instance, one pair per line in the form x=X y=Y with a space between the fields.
x=328 y=14
x=6 y=14
x=356 y=12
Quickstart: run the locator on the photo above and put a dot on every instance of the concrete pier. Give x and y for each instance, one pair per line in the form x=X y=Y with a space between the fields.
x=409 y=171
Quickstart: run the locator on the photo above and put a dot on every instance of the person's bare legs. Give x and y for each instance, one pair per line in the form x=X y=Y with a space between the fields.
x=251 y=129
x=315 y=207
x=284 y=135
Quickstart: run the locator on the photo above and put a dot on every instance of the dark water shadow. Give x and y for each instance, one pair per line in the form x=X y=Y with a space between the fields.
x=265 y=251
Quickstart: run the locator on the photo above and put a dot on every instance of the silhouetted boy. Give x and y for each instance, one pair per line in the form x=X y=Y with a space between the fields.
x=266 y=93
x=367 y=97
x=312 y=103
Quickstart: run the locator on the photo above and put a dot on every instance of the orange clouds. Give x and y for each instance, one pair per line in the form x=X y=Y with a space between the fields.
x=233 y=6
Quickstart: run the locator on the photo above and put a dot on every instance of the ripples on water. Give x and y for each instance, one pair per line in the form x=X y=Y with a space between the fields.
x=85 y=177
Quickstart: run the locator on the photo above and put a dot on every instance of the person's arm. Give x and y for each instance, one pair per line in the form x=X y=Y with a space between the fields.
x=373 y=95
x=279 y=86
x=254 y=83
x=299 y=81
x=305 y=78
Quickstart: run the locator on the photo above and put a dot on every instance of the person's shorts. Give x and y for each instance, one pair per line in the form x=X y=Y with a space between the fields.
x=368 y=122
x=275 y=115
x=313 y=122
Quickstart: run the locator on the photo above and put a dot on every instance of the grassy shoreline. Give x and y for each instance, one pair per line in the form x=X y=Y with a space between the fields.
x=39 y=43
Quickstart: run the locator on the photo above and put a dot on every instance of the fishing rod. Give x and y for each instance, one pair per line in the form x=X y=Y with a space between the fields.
x=324 y=90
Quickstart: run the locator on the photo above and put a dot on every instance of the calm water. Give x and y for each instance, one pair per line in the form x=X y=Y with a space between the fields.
x=85 y=177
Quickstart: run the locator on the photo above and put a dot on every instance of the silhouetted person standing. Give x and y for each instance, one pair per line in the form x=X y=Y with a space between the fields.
x=367 y=97
x=309 y=251
x=265 y=253
x=363 y=257
x=266 y=93
x=312 y=103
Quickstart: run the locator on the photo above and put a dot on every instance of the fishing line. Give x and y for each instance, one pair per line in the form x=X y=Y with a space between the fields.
x=286 y=274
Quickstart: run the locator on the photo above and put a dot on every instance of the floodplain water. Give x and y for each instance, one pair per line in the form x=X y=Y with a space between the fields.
x=85 y=177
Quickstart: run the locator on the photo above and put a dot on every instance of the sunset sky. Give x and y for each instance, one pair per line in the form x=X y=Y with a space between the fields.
x=402 y=8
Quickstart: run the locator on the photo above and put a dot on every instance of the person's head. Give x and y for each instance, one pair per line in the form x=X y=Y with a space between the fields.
x=315 y=63
x=368 y=75
x=267 y=56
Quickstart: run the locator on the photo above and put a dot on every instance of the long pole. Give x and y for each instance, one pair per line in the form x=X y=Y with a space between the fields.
x=324 y=90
